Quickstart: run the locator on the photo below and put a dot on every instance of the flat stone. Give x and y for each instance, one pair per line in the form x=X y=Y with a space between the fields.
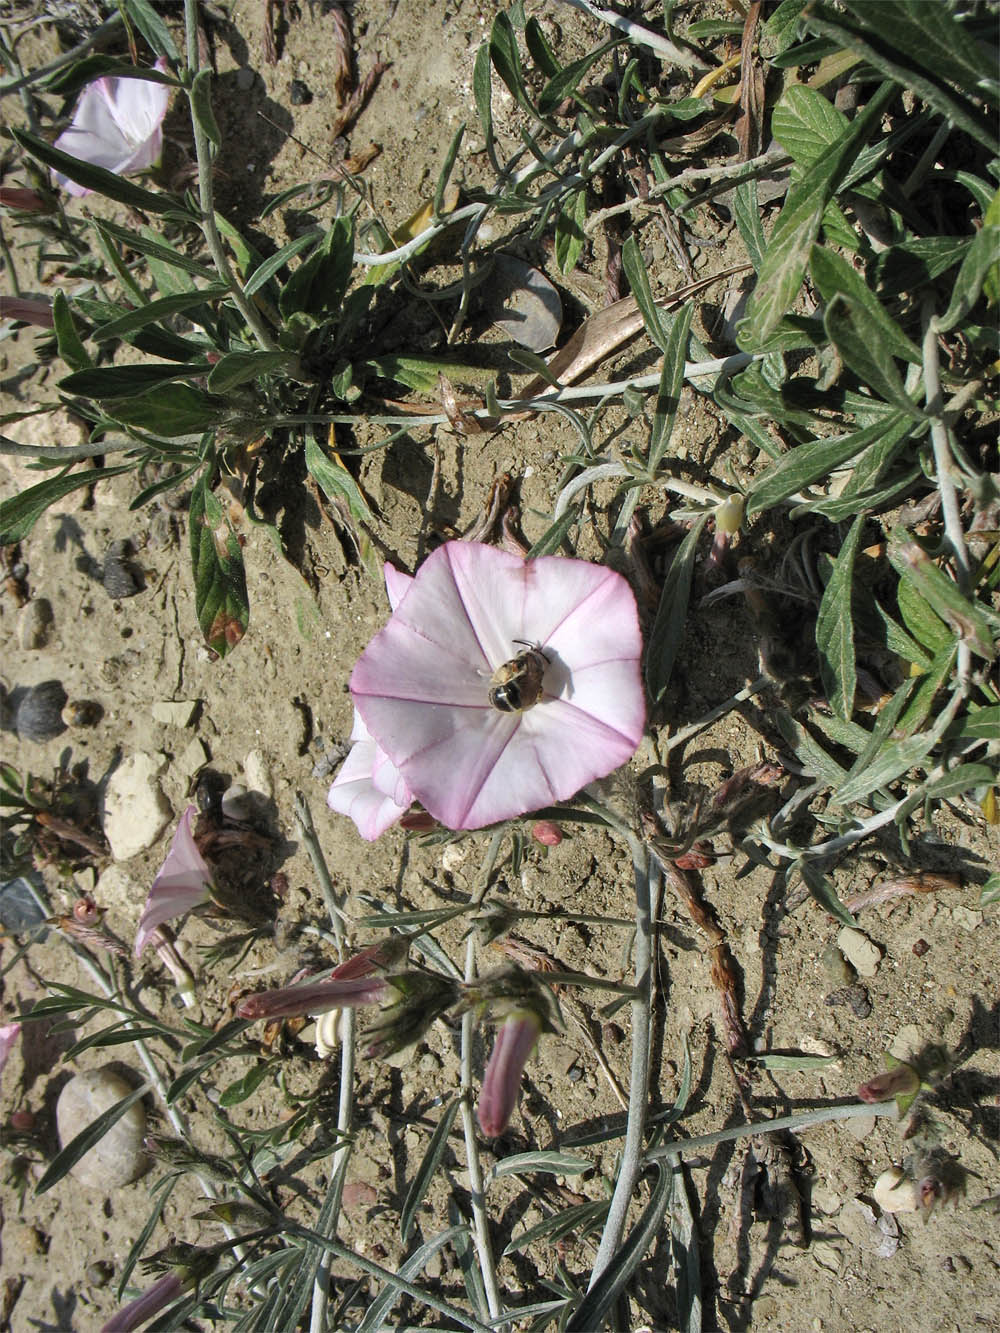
x=860 y=1126
x=174 y=713
x=907 y=1042
x=860 y=952
x=136 y=812
x=967 y=919
x=258 y=773
x=34 y=624
x=193 y=757
x=117 y=891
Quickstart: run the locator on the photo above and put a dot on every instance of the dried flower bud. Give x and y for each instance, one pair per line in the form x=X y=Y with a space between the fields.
x=901 y=1080
x=548 y=833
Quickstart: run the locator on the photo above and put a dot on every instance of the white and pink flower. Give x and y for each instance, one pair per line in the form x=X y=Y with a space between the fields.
x=118 y=125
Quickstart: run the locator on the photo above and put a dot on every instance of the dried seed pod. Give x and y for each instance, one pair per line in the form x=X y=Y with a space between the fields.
x=82 y=713
x=35 y=711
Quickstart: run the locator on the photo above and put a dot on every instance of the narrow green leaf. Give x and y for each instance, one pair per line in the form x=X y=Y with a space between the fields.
x=446 y=169
x=564 y=83
x=237 y=368
x=139 y=1244
x=68 y=1157
x=981 y=725
x=582 y=1217
x=669 y=392
x=507 y=61
x=266 y=271
x=798 y=225
x=814 y=759
x=668 y=627
x=20 y=514
x=551 y=540
x=912 y=563
x=925 y=625
x=832 y=274
x=594 y=1307
x=336 y=482
x=990 y=892
x=895 y=759
x=318 y=285
x=68 y=81
x=569 y=233
x=375 y=1314
x=933 y=680
x=979 y=262
x=638 y=280
x=117 y=1034
x=746 y=214
x=220 y=587
x=70 y=345
x=482 y=90
x=169 y=410
x=157 y=310
x=794 y=1063
x=539 y=48
x=835 y=628
x=153 y=28
x=685 y=1253
x=201 y=107
x=809 y=462
x=96 y=178
x=425 y=1172
x=822 y=890
x=154 y=247
x=103 y=382
x=546 y=1160
x=806 y=123
x=246 y=1086
x=859 y=340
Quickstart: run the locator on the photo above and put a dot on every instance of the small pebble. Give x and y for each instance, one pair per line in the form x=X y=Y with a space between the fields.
x=299 y=94
x=35 y=711
x=921 y=947
x=855 y=997
x=99 y=1273
x=121 y=578
x=82 y=713
x=860 y=952
x=34 y=624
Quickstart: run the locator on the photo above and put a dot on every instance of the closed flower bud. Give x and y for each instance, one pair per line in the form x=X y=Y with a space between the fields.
x=501 y=1088
x=902 y=1080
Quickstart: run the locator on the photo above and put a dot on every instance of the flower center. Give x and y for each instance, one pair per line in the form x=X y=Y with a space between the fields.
x=517 y=685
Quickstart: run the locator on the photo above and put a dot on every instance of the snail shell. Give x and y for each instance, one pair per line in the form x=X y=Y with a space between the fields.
x=118 y=1158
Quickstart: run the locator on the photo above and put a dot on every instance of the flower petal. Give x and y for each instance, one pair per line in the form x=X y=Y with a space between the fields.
x=137 y=106
x=184 y=882
x=368 y=788
x=116 y=125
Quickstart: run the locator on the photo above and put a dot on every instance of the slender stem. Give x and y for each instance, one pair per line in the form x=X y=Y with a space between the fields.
x=203 y=152
x=741 y=696
x=9 y=265
x=820 y=1116
x=307 y=832
x=942 y=453
x=632 y=1151
x=640 y=36
x=63 y=454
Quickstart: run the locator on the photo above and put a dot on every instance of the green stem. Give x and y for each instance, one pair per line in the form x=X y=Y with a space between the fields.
x=203 y=152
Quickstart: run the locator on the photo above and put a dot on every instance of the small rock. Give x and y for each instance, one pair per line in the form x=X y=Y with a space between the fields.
x=907 y=1043
x=82 y=713
x=453 y=856
x=861 y=1126
x=121 y=578
x=174 y=713
x=34 y=624
x=827 y=1256
x=117 y=1158
x=429 y=1063
x=299 y=94
x=825 y=1200
x=135 y=810
x=896 y=1192
x=258 y=774
x=860 y=952
x=36 y=711
x=118 y=891
x=967 y=919
x=835 y=966
x=192 y=759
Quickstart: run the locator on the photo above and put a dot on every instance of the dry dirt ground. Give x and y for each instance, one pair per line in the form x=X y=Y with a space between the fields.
x=281 y=699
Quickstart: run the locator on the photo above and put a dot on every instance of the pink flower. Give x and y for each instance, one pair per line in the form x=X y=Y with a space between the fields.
x=117 y=125
x=162 y=1293
x=184 y=882
x=369 y=788
x=28 y=310
x=8 y=1038
x=901 y=1080
x=312 y=998
x=501 y=685
x=502 y=1081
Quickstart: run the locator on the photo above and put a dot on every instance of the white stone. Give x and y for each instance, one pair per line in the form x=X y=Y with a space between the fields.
x=117 y=1158
x=194 y=756
x=907 y=1042
x=34 y=624
x=860 y=952
x=258 y=773
x=136 y=812
x=174 y=713
x=967 y=919
x=895 y=1192
x=117 y=891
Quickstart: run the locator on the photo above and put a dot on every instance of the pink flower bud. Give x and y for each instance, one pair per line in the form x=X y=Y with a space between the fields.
x=900 y=1081
x=548 y=833
x=25 y=201
x=502 y=1081
x=319 y=997
x=27 y=310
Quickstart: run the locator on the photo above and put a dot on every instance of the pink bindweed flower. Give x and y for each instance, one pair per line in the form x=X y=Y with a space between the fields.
x=27 y=310
x=501 y=685
x=184 y=882
x=501 y=1088
x=369 y=788
x=23 y=200
x=9 y=1033
x=117 y=125
x=901 y=1080
x=164 y=1291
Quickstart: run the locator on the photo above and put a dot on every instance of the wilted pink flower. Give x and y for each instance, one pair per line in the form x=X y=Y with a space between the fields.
x=369 y=788
x=164 y=1291
x=501 y=685
x=117 y=125
x=27 y=309
x=23 y=200
x=502 y=1081
x=8 y=1038
x=185 y=881
x=902 y=1080
x=312 y=998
